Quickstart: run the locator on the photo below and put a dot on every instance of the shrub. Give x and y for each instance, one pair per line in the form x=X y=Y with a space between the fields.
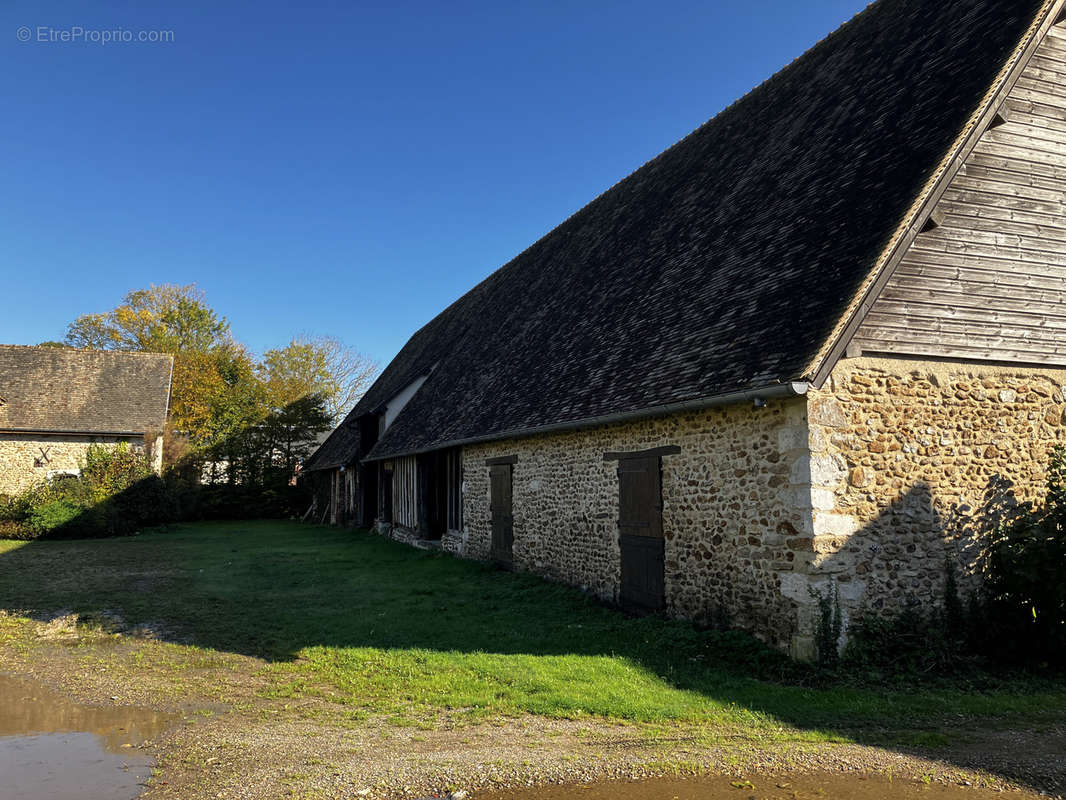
x=911 y=642
x=110 y=471
x=14 y=508
x=11 y=529
x=914 y=641
x=1025 y=576
x=53 y=514
x=1017 y=618
x=115 y=493
x=830 y=626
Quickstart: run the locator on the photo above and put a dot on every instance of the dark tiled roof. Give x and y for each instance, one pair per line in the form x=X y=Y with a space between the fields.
x=83 y=391
x=724 y=263
x=340 y=447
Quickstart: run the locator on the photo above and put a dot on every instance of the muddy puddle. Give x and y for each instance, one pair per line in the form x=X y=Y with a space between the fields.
x=52 y=748
x=801 y=787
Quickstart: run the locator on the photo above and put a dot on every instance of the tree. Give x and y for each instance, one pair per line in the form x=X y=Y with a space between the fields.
x=322 y=366
x=160 y=319
x=269 y=452
x=224 y=406
x=213 y=389
x=215 y=394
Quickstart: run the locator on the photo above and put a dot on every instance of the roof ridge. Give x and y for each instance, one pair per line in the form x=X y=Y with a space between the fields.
x=85 y=350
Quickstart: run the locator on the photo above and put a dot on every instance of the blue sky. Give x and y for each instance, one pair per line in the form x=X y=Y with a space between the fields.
x=344 y=168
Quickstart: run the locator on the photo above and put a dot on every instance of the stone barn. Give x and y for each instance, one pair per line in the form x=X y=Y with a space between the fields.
x=790 y=352
x=56 y=401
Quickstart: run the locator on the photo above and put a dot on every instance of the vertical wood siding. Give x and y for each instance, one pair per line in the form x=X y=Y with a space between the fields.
x=334 y=494
x=351 y=478
x=454 y=483
x=405 y=492
x=990 y=282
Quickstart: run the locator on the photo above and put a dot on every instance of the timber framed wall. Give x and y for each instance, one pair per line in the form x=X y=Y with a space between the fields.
x=405 y=492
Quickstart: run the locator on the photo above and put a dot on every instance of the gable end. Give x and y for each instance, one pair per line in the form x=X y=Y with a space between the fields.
x=929 y=218
x=988 y=282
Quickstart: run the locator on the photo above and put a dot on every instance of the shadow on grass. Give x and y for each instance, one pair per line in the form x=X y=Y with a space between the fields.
x=387 y=626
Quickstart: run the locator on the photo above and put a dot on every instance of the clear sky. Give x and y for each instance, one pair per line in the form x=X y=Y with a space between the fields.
x=342 y=168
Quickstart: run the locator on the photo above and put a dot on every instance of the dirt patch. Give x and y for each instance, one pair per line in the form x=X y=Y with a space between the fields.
x=862 y=786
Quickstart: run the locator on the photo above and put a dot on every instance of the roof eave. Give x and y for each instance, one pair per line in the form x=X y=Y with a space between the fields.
x=325 y=467
x=51 y=432
x=769 y=392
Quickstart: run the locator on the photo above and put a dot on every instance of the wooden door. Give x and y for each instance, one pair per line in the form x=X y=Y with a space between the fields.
x=640 y=533
x=500 y=504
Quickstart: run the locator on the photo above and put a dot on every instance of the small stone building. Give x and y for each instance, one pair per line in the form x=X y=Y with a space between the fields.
x=791 y=352
x=55 y=402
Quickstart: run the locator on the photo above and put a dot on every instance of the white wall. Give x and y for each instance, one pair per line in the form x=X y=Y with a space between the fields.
x=396 y=404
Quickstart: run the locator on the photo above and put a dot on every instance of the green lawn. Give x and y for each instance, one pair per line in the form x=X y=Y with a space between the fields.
x=384 y=628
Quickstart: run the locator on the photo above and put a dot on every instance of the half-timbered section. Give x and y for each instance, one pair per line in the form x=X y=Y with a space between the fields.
x=333 y=472
x=405 y=488
x=417 y=498
x=790 y=353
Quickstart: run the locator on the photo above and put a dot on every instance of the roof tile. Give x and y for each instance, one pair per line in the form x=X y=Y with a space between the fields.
x=83 y=391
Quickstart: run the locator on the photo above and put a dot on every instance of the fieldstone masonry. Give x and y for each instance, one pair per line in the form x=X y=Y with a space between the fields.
x=902 y=454
x=736 y=507
x=27 y=460
x=869 y=485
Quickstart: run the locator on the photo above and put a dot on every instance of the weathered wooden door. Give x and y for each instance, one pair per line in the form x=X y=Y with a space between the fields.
x=500 y=504
x=640 y=529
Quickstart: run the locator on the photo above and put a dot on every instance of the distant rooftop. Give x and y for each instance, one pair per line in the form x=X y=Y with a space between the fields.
x=64 y=390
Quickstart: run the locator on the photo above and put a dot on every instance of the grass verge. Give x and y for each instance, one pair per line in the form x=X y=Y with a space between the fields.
x=383 y=629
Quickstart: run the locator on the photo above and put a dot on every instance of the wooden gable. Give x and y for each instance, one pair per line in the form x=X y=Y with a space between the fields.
x=986 y=280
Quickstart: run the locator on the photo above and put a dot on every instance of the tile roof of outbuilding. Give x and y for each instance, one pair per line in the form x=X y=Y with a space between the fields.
x=58 y=389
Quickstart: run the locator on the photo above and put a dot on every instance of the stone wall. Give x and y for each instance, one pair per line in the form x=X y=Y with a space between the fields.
x=736 y=501
x=870 y=484
x=902 y=454
x=452 y=542
x=28 y=460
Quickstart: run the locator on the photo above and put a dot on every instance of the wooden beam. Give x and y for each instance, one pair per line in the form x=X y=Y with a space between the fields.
x=934 y=220
x=501 y=460
x=665 y=450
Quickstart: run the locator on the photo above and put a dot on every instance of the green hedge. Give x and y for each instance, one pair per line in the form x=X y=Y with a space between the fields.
x=117 y=494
